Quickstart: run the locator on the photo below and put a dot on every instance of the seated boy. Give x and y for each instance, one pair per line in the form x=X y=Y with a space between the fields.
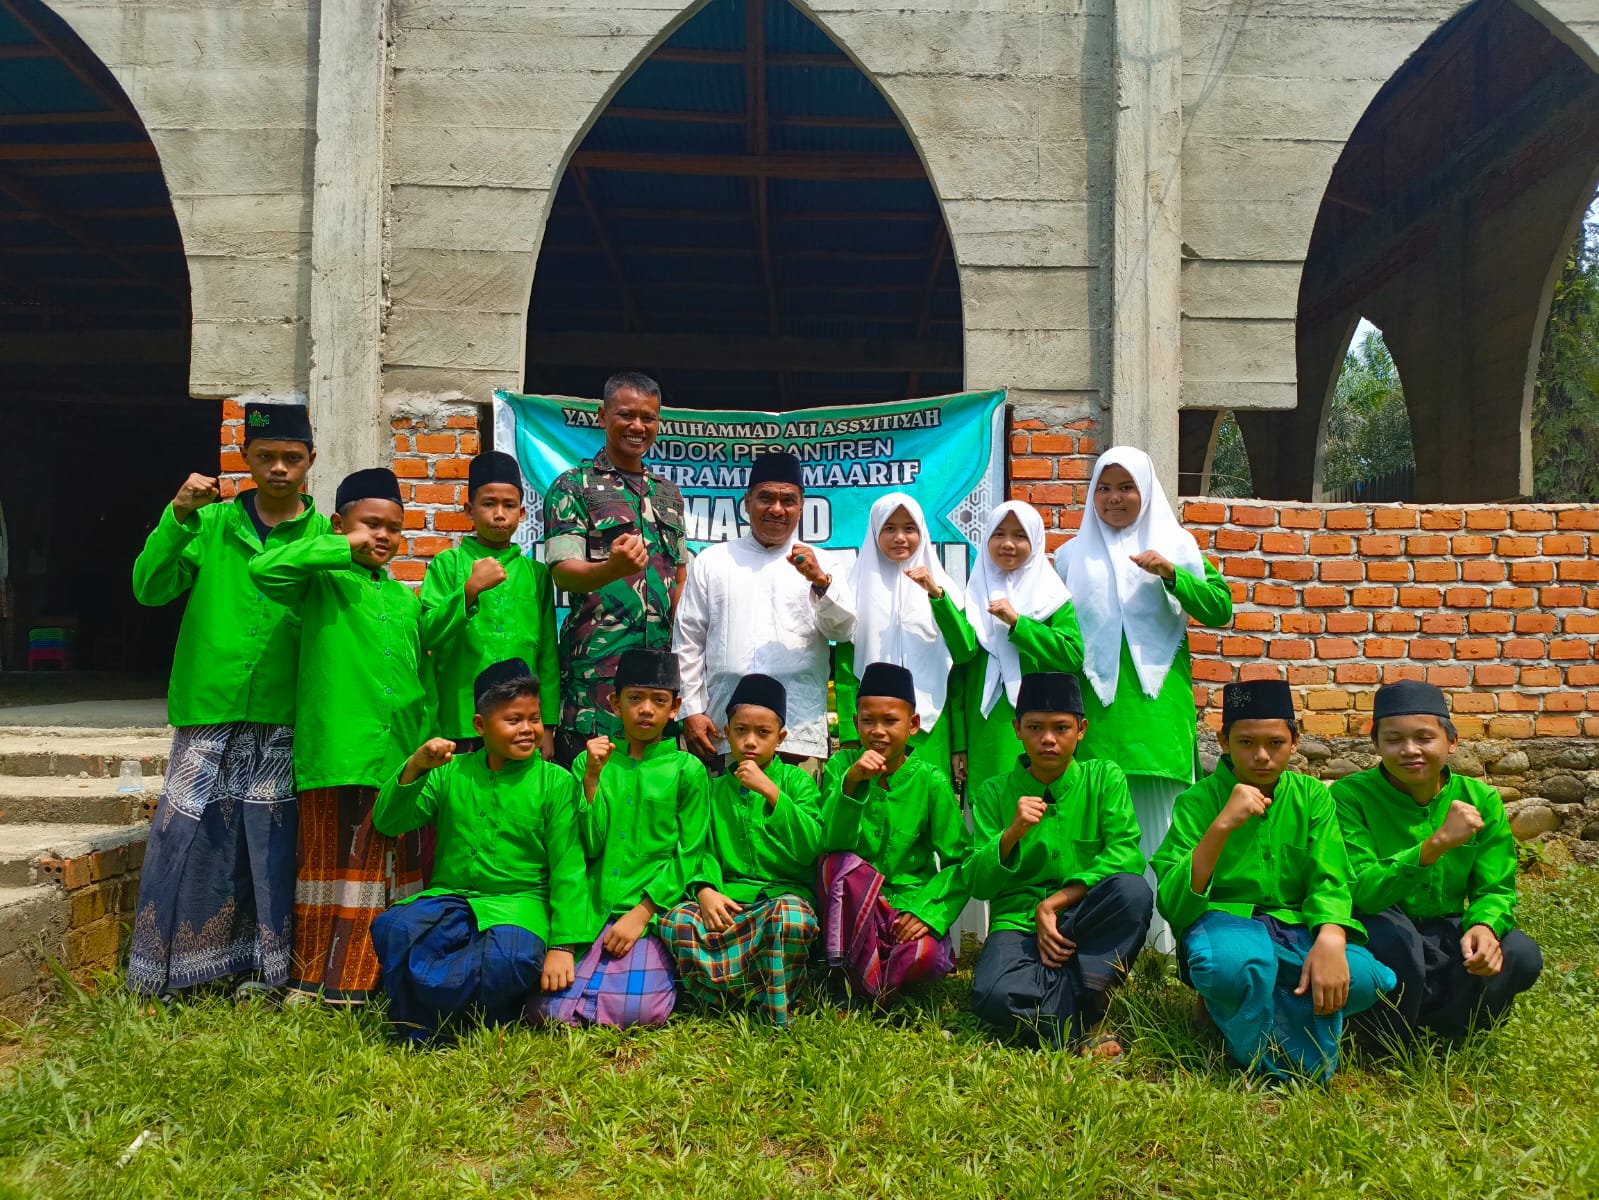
x=1056 y=851
x=887 y=902
x=1255 y=882
x=509 y=875
x=1434 y=866
x=360 y=715
x=747 y=933
x=642 y=820
x=221 y=852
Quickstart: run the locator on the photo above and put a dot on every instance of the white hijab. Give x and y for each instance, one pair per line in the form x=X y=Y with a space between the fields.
x=1114 y=597
x=894 y=617
x=1032 y=588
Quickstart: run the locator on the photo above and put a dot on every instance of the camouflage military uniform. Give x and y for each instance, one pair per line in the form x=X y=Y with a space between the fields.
x=585 y=510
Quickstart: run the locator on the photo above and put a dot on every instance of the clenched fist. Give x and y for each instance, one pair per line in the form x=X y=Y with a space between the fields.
x=487 y=573
x=197 y=491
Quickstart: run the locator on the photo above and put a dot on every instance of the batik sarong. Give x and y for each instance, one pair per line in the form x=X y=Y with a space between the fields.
x=760 y=960
x=858 y=932
x=1246 y=969
x=348 y=874
x=216 y=893
x=1015 y=992
x=636 y=989
x=438 y=965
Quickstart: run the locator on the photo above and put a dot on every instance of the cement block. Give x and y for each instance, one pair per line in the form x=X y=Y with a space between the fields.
x=449 y=218
x=1240 y=289
x=227 y=36
x=475 y=340
x=477 y=386
x=549 y=20
x=225 y=98
x=487 y=280
x=934 y=108
x=229 y=358
x=465 y=157
x=524 y=50
x=234 y=162
x=1250 y=229
x=553 y=98
x=1046 y=360
x=1358 y=44
x=1052 y=407
x=1255 y=169
x=1214 y=394
x=1324 y=110
x=979 y=169
x=1047 y=233
x=227 y=289
x=1028 y=298
x=1241 y=351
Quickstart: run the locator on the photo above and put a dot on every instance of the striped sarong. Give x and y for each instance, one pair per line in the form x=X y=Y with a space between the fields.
x=216 y=893
x=348 y=874
x=760 y=960
x=858 y=932
x=636 y=989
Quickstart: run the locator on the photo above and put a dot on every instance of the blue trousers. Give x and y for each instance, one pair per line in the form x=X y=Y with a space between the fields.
x=438 y=964
x=1246 y=968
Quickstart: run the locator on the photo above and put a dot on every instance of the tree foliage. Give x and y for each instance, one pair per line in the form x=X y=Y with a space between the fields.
x=1229 y=468
x=1368 y=427
x=1565 y=398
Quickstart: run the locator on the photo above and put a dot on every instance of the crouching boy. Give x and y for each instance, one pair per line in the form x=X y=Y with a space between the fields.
x=507 y=899
x=893 y=880
x=642 y=821
x=746 y=934
x=1434 y=867
x=1255 y=882
x=1056 y=851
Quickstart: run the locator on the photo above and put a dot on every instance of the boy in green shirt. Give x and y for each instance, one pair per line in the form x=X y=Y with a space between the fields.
x=1434 y=867
x=216 y=894
x=360 y=715
x=642 y=819
x=746 y=934
x=1057 y=854
x=509 y=875
x=887 y=901
x=1255 y=882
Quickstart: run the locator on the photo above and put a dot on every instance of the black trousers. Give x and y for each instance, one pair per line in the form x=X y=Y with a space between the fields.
x=1435 y=990
x=1015 y=992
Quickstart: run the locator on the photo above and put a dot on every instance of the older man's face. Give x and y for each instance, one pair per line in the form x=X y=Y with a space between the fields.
x=774 y=510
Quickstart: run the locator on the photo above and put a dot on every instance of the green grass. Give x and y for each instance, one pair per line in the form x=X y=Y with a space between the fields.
x=314 y=1102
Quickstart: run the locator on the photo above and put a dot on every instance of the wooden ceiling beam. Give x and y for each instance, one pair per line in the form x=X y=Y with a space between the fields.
x=55 y=152
x=630 y=317
x=16 y=120
x=924 y=318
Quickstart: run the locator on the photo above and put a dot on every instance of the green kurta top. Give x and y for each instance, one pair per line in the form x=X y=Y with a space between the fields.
x=933 y=746
x=898 y=829
x=361 y=711
x=1289 y=864
x=992 y=746
x=507 y=842
x=644 y=834
x=1156 y=737
x=1384 y=828
x=238 y=650
x=1088 y=833
x=753 y=854
x=514 y=620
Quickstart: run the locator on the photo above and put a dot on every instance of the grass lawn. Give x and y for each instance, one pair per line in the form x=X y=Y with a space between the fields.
x=312 y=1102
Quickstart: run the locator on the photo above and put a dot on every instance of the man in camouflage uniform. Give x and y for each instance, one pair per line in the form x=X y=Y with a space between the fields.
x=614 y=539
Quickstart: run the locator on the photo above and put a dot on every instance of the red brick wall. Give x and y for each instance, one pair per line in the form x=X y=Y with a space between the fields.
x=431 y=456
x=1050 y=466
x=1496 y=605
x=232 y=472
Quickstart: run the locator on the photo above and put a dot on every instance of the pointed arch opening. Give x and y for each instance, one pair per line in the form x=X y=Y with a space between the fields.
x=94 y=356
x=1367 y=449
x=749 y=222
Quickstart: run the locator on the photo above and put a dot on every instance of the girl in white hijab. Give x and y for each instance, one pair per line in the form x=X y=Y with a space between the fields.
x=899 y=585
x=1137 y=577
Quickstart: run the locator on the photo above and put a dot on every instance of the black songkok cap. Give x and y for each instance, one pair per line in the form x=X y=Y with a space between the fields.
x=777 y=466
x=277 y=423
x=648 y=669
x=1257 y=700
x=762 y=691
x=885 y=679
x=497 y=673
x=1049 y=692
x=492 y=466
x=1409 y=697
x=374 y=483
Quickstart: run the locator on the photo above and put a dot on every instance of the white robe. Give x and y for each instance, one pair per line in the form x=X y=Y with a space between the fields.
x=744 y=608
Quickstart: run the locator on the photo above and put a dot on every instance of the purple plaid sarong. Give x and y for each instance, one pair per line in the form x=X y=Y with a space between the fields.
x=858 y=932
x=637 y=989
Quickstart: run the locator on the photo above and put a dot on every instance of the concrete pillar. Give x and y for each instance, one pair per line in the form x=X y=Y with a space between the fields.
x=1146 y=311
x=347 y=243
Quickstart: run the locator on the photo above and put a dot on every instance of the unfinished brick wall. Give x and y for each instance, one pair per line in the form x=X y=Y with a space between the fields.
x=432 y=452
x=232 y=473
x=1494 y=604
x=1050 y=466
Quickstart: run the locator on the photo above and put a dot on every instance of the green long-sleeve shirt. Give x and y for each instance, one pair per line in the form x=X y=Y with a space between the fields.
x=238 y=650
x=1156 y=736
x=1289 y=864
x=992 y=746
x=644 y=833
x=1087 y=834
x=514 y=620
x=898 y=828
x=753 y=854
x=507 y=842
x=1384 y=828
x=934 y=746
x=361 y=710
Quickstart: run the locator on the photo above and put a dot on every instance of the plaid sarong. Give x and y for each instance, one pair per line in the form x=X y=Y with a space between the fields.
x=858 y=932
x=634 y=990
x=348 y=874
x=759 y=960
